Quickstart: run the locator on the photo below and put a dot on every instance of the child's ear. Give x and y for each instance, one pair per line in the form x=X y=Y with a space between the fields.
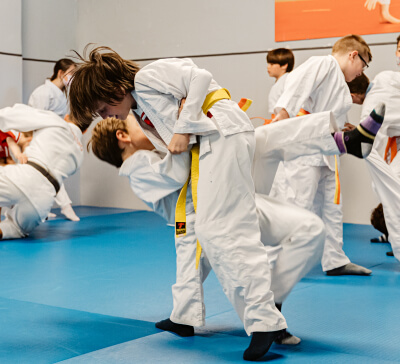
x=285 y=66
x=353 y=55
x=123 y=136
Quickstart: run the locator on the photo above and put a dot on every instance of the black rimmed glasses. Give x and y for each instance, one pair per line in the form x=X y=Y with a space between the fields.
x=366 y=64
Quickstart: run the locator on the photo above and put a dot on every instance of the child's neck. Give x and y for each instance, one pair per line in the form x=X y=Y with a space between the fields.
x=279 y=76
x=342 y=60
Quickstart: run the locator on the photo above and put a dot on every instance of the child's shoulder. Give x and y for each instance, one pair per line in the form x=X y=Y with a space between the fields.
x=387 y=75
x=327 y=59
x=168 y=62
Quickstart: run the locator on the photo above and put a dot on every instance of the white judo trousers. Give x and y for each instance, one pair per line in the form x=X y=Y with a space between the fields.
x=387 y=186
x=386 y=178
x=294 y=245
x=228 y=229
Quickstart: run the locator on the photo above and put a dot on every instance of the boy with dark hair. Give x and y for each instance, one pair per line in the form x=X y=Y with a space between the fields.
x=359 y=88
x=280 y=62
x=227 y=225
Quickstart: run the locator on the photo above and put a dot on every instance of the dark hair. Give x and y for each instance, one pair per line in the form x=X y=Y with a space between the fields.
x=398 y=39
x=378 y=220
x=281 y=56
x=359 y=85
x=63 y=64
x=102 y=76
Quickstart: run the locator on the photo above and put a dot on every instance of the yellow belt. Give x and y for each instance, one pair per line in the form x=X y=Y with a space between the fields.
x=180 y=210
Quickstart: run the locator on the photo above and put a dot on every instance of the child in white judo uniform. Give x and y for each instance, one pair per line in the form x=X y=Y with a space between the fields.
x=319 y=85
x=52 y=96
x=385 y=174
x=280 y=63
x=227 y=225
x=55 y=152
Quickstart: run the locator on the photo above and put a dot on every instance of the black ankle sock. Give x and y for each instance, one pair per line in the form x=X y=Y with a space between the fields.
x=179 y=329
x=260 y=344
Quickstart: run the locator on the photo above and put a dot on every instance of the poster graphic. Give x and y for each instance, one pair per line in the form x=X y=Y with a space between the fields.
x=312 y=19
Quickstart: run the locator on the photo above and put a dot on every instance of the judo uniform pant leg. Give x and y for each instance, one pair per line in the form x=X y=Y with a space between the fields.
x=187 y=292
x=387 y=186
x=228 y=229
x=313 y=188
x=299 y=233
x=22 y=217
x=289 y=139
x=62 y=199
x=293 y=237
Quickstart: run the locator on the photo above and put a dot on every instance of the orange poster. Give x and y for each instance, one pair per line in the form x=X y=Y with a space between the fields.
x=312 y=19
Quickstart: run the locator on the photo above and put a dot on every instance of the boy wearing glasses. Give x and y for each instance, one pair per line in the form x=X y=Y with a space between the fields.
x=319 y=85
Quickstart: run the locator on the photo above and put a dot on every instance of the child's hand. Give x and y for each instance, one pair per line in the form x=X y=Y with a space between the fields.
x=283 y=114
x=22 y=158
x=348 y=127
x=181 y=106
x=179 y=143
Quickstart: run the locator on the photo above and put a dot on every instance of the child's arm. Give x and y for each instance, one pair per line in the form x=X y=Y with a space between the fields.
x=16 y=151
x=179 y=142
x=180 y=78
x=300 y=85
x=25 y=118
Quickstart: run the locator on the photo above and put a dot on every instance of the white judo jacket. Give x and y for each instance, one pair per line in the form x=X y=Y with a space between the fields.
x=56 y=146
x=156 y=179
x=49 y=97
x=175 y=79
x=385 y=88
x=317 y=85
x=276 y=92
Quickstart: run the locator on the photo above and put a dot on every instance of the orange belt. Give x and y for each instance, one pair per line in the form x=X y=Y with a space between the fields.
x=336 y=199
x=302 y=112
x=392 y=146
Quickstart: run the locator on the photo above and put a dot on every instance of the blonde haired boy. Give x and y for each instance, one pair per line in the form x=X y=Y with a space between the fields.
x=318 y=85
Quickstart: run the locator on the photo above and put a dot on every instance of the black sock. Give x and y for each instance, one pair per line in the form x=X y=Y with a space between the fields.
x=179 y=329
x=358 y=142
x=260 y=344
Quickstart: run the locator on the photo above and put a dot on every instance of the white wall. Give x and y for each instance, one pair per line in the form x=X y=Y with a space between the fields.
x=216 y=33
x=10 y=53
x=48 y=34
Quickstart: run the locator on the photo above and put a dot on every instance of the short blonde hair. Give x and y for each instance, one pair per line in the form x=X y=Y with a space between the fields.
x=104 y=142
x=352 y=42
